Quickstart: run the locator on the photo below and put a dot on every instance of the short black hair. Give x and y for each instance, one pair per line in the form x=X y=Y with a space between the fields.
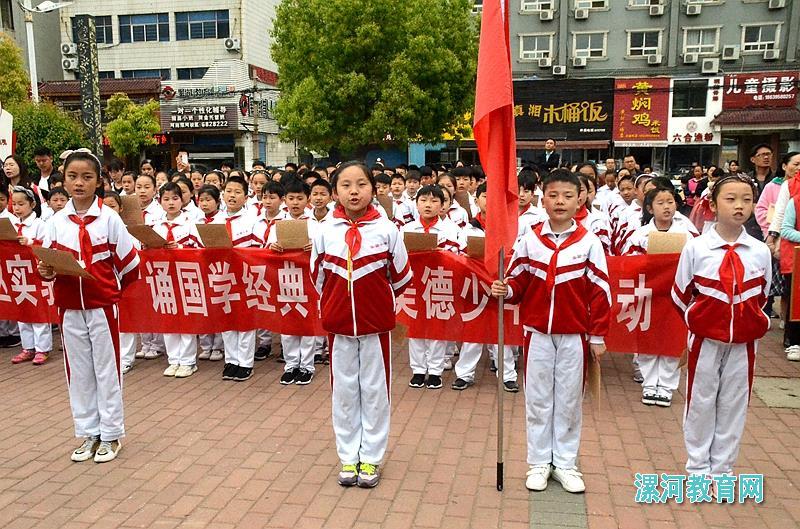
x=561 y=175
x=42 y=151
x=758 y=147
x=116 y=165
x=290 y=164
x=319 y=182
x=383 y=178
x=237 y=180
x=413 y=174
x=58 y=191
x=433 y=190
x=526 y=182
x=149 y=177
x=649 y=197
x=273 y=187
x=258 y=162
x=170 y=187
x=481 y=190
x=211 y=191
x=398 y=176
x=292 y=184
x=426 y=171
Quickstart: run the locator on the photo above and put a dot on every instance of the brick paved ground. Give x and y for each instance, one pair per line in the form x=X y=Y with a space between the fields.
x=203 y=453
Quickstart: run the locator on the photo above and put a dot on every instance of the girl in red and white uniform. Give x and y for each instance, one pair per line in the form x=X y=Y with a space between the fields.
x=721 y=286
x=96 y=236
x=592 y=219
x=661 y=374
x=359 y=265
x=455 y=211
x=628 y=219
x=180 y=231
x=37 y=338
x=208 y=200
x=152 y=344
x=428 y=356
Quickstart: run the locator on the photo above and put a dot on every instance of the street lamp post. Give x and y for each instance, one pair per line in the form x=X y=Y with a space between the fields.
x=45 y=7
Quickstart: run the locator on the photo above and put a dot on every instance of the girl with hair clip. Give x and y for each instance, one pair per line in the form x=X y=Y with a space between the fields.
x=97 y=238
x=721 y=286
x=208 y=200
x=37 y=338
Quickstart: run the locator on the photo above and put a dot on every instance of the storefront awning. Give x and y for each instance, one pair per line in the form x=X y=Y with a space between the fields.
x=758 y=119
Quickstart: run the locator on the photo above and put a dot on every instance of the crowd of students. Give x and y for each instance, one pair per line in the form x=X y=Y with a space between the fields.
x=569 y=221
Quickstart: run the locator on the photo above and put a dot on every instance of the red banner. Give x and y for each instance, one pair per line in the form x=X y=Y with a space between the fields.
x=759 y=90
x=641 y=109
x=213 y=290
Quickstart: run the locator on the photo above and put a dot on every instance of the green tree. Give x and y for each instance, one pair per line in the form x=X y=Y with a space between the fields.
x=356 y=72
x=131 y=126
x=14 y=81
x=44 y=125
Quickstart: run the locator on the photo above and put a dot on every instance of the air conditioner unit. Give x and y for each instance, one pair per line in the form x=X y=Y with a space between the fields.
x=546 y=15
x=710 y=66
x=233 y=44
x=559 y=69
x=69 y=48
x=690 y=58
x=69 y=64
x=545 y=62
x=777 y=4
x=579 y=62
x=730 y=53
x=693 y=9
x=772 y=55
x=656 y=11
x=581 y=14
x=654 y=59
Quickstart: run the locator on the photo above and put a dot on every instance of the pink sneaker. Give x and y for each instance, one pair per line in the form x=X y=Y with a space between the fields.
x=25 y=356
x=40 y=358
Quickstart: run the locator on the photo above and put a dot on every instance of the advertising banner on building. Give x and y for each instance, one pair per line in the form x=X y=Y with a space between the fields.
x=566 y=111
x=760 y=90
x=641 y=111
x=697 y=130
x=198 y=117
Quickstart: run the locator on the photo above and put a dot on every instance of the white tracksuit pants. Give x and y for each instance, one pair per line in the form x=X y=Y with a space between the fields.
x=298 y=352
x=211 y=342
x=263 y=338
x=153 y=342
x=471 y=355
x=661 y=374
x=127 y=348
x=92 y=364
x=426 y=356
x=181 y=349
x=240 y=347
x=36 y=337
x=361 y=374
x=554 y=379
x=717 y=396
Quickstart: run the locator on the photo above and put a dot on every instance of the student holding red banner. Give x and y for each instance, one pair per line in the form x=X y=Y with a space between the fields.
x=721 y=286
x=359 y=265
x=558 y=271
x=96 y=237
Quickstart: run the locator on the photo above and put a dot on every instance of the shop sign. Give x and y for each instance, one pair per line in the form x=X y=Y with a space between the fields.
x=641 y=114
x=200 y=117
x=562 y=110
x=697 y=130
x=760 y=90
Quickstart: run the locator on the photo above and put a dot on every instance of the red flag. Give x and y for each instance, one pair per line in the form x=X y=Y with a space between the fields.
x=494 y=131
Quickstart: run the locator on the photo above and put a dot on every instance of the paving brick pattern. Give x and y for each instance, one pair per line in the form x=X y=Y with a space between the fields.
x=201 y=452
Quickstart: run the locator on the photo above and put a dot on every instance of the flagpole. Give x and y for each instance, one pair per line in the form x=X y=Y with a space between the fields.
x=500 y=359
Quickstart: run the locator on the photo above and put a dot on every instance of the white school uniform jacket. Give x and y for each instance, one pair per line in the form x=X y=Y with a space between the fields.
x=114 y=261
x=722 y=295
x=184 y=231
x=568 y=295
x=33 y=228
x=357 y=292
x=597 y=223
x=458 y=215
x=153 y=213
x=312 y=225
x=193 y=213
x=449 y=237
x=240 y=228
x=215 y=218
x=263 y=227
x=403 y=210
x=530 y=217
x=638 y=241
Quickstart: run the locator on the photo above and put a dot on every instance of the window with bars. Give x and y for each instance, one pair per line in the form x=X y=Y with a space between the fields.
x=188 y=74
x=104 y=30
x=689 y=98
x=163 y=74
x=761 y=37
x=144 y=28
x=533 y=46
x=701 y=40
x=643 y=43
x=202 y=25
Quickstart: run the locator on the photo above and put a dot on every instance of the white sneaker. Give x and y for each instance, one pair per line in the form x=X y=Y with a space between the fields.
x=204 y=355
x=793 y=353
x=171 y=370
x=107 y=451
x=185 y=371
x=216 y=356
x=570 y=479
x=152 y=353
x=142 y=352
x=448 y=364
x=537 y=477
x=127 y=368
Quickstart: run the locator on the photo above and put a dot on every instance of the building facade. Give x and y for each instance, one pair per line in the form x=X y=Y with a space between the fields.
x=218 y=79
x=663 y=79
x=46 y=38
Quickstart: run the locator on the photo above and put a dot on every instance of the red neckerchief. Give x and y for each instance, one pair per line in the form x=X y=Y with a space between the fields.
x=170 y=235
x=208 y=219
x=552 y=267
x=83 y=235
x=581 y=214
x=731 y=273
x=481 y=220
x=19 y=228
x=352 y=236
x=427 y=226
x=228 y=227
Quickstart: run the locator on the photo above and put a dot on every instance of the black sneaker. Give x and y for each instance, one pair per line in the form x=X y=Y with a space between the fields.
x=318 y=358
x=243 y=373
x=649 y=399
x=417 y=381
x=460 y=384
x=229 y=371
x=263 y=352
x=289 y=377
x=492 y=367
x=303 y=377
x=434 y=382
x=511 y=386
x=11 y=341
